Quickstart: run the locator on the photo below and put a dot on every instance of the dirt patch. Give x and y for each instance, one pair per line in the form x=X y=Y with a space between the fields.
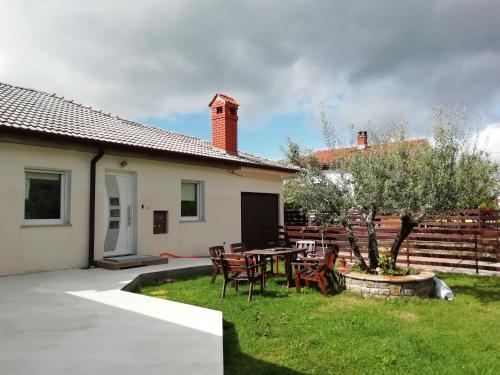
x=158 y=293
x=407 y=315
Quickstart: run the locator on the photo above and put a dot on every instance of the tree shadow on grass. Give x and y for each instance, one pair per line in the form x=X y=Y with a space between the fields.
x=336 y=286
x=484 y=294
x=237 y=362
x=484 y=288
x=267 y=293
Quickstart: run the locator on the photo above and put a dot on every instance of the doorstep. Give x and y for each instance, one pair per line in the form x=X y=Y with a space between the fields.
x=130 y=261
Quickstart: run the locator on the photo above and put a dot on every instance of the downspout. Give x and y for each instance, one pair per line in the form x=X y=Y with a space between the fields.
x=93 y=163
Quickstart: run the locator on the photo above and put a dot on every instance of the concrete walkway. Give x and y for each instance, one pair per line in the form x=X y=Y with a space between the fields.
x=80 y=322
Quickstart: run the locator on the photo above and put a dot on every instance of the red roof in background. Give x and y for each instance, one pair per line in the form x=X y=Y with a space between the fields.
x=326 y=157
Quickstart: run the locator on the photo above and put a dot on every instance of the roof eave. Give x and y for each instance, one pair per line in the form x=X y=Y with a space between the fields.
x=142 y=149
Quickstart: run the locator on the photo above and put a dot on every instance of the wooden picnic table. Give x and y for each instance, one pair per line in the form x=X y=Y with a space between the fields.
x=288 y=253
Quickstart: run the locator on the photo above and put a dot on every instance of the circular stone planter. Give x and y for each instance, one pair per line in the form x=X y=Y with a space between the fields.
x=421 y=285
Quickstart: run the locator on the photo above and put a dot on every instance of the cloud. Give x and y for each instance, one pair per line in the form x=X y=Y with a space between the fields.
x=489 y=141
x=157 y=58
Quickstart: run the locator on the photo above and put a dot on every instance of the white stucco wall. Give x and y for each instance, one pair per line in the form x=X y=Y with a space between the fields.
x=37 y=248
x=158 y=187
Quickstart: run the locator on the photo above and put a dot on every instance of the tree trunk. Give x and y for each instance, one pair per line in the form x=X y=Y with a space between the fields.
x=354 y=245
x=407 y=225
x=372 y=239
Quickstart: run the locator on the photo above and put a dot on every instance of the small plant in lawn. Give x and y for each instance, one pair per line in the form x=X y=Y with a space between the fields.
x=389 y=360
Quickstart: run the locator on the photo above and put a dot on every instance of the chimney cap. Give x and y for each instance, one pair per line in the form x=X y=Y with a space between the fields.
x=362 y=139
x=224 y=98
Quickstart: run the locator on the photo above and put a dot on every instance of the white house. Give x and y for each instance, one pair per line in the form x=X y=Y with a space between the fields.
x=78 y=185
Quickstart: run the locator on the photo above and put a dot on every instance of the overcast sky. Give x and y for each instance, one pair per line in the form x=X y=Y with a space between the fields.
x=160 y=62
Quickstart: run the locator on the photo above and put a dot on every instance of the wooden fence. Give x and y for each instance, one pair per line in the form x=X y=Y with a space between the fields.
x=467 y=239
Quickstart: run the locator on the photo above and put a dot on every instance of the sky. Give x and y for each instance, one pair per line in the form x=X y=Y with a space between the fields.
x=364 y=62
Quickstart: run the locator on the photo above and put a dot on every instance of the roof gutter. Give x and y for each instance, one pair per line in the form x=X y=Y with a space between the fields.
x=93 y=163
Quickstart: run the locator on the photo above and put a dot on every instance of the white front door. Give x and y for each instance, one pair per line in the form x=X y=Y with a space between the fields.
x=119 y=215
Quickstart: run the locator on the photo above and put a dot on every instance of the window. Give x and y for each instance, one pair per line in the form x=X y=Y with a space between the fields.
x=191 y=200
x=45 y=199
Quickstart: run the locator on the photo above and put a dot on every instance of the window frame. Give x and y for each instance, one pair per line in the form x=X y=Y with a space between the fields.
x=64 y=198
x=200 y=192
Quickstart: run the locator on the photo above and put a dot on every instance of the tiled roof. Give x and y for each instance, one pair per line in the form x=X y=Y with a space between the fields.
x=326 y=157
x=39 y=112
x=224 y=98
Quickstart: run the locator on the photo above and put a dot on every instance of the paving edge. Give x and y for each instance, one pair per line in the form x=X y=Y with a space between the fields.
x=158 y=277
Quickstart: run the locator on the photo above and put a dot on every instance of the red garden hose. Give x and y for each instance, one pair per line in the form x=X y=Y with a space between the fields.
x=172 y=255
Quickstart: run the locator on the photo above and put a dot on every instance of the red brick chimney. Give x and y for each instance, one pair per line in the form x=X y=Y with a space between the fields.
x=362 y=139
x=224 y=123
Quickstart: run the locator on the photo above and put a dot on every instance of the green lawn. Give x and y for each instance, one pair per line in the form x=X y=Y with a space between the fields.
x=285 y=333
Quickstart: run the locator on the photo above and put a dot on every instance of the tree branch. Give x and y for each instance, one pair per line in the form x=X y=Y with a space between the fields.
x=372 y=238
x=353 y=243
x=407 y=225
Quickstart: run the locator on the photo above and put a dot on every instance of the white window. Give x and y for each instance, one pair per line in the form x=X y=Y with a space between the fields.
x=45 y=197
x=191 y=201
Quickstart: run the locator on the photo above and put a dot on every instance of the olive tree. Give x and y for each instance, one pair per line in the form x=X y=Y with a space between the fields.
x=397 y=177
x=413 y=180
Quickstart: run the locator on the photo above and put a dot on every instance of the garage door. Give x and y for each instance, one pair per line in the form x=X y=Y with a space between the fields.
x=259 y=219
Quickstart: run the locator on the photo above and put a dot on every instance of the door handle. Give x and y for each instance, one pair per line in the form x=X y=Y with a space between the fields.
x=129 y=215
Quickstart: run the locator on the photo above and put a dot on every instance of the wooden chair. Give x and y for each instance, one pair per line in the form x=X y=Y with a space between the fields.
x=317 y=269
x=241 y=267
x=214 y=253
x=320 y=253
x=283 y=236
x=309 y=246
x=276 y=259
x=239 y=247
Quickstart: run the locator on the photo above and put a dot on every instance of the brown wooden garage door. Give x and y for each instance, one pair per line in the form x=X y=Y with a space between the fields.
x=259 y=219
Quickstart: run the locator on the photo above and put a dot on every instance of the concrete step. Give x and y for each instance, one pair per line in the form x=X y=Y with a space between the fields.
x=129 y=261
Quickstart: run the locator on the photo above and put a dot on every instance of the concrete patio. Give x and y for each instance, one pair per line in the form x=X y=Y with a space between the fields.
x=80 y=322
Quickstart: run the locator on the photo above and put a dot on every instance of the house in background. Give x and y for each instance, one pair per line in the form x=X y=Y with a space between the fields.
x=78 y=185
x=326 y=157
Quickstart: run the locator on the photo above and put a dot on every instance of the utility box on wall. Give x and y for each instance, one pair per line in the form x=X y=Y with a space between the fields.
x=160 y=222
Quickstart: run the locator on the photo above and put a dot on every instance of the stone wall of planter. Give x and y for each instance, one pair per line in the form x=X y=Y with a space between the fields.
x=421 y=285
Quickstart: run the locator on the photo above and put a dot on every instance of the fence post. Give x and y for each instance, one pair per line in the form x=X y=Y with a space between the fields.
x=407 y=255
x=475 y=252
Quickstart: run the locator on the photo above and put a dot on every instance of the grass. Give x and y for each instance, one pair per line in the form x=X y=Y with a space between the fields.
x=285 y=333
